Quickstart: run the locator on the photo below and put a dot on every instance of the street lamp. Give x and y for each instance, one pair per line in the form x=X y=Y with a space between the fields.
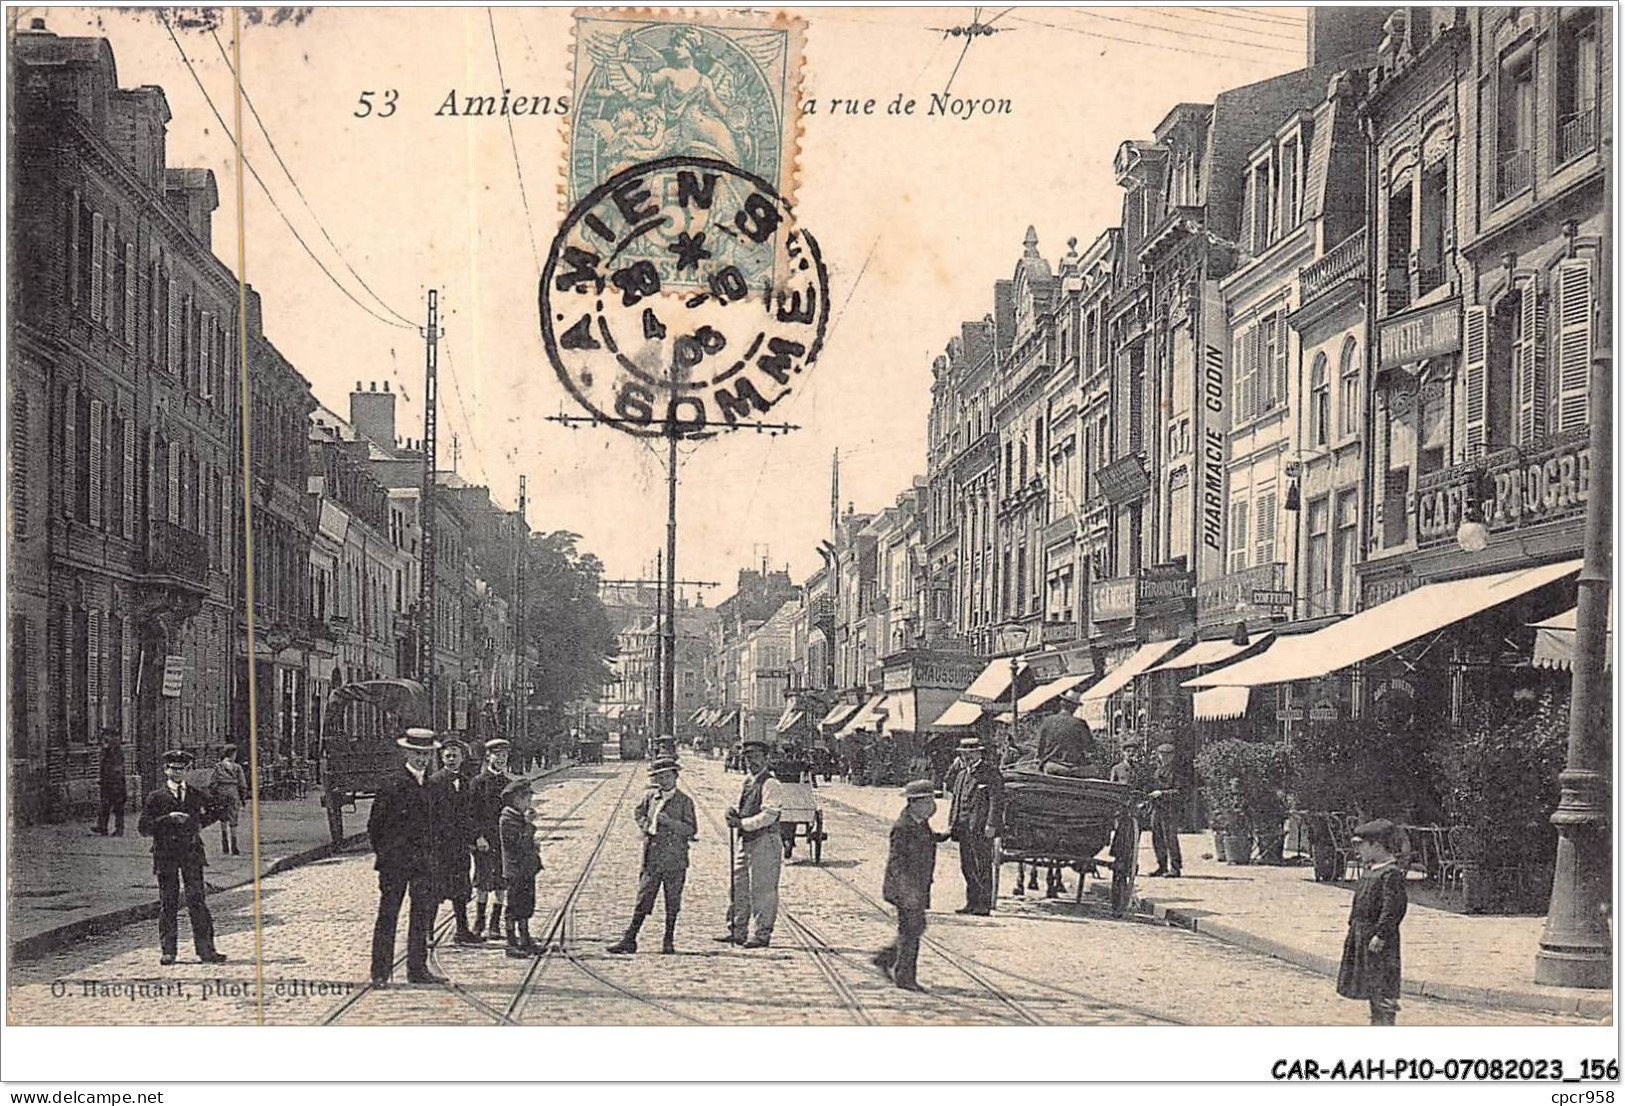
x=1013 y=639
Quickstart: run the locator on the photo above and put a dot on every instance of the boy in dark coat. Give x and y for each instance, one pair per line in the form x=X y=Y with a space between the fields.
x=665 y=816
x=911 y=861
x=174 y=816
x=1370 y=968
x=454 y=837
x=520 y=863
x=485 y=795
x=401 y=828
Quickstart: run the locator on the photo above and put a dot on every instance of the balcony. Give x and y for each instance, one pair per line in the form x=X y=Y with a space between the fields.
x=1576 y=135
x=1345 y=261
x=177 y=553
x=1514 y=174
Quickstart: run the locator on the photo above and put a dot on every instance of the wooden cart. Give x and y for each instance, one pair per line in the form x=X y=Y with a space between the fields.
x=1061 y=821
x=353 y=766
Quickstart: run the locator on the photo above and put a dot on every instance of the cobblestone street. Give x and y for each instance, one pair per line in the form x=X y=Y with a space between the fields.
x=1035 y=961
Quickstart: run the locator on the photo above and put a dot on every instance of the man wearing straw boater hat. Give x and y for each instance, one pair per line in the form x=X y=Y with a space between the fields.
x=402 y=829
x=666 y=818
x=174 y=816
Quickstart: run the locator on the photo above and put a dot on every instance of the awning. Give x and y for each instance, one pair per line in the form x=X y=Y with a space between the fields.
x=900 y=713
x=1117 y=679
x=1203 y=653
x=867 y=718
x=613 y=710
x=959 y=714
x=1386 y=626
x=1554 y=640
x=725 y=718
x=839 y=713
x=695 y=717
x=1045 y=693
x=1214 y=704
x=788 y=722
x=994 y=681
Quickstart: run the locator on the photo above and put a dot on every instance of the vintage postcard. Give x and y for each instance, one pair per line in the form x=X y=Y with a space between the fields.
x=862 y=517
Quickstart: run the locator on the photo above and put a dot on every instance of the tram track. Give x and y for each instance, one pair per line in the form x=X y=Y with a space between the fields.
x=465 y=994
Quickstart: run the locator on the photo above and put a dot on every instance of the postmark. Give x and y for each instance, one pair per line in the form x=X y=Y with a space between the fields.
x=681 y=296
x=650 y=84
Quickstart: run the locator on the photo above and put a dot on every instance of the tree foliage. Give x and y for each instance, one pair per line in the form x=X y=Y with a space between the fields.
x=567 y=627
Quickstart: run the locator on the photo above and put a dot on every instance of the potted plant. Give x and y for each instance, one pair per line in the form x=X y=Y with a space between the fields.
x=1221 y=767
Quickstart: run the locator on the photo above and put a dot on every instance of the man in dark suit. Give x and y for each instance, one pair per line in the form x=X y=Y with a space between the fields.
x=110 y=782
x=454 y=837
x=911 y=861
x=1165 y=813
x=174 y=816
x=974 y=821
x=401 y=827
x=666 y=818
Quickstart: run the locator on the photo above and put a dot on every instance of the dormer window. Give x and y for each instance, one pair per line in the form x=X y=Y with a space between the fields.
x=1290 y=188
x=1260 y=189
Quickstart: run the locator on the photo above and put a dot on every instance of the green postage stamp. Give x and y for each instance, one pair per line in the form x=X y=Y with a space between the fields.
x=716 y=84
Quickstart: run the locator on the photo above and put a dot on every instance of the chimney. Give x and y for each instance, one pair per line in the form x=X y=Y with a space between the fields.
x=191 y=194
x=372 y=413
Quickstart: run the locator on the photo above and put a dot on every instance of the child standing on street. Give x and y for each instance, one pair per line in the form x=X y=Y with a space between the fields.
x=1370 y=968
x=228 y=786
x=911 y=861
x=520 y=863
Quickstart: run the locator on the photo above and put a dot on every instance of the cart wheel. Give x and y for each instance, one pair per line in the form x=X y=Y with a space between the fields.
x=817 y=836
x=998 y=862
x=335 y=817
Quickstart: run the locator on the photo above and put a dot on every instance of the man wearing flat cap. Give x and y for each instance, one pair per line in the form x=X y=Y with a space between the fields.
x=911 y=861
x=485 y=799
x=758 y=855
x=1165 y=813
x=174 y=816
x=665 y=817
x=402 y=830
x=974 y=820
x=454 y=836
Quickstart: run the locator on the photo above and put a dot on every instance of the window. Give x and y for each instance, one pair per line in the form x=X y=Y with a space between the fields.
x=1573 y=293
x=1515 y=125
x=1435 y=211
x=1529 y=365
x=1320 y=402
x=1346 y=550
x=1577 y=83
x=1258 y=206
x=1260 y=360
x=1398 y=268
x=1238 y=535
x=1317 y=582
x=98 y=265
x=20 y=469
x=1348 y=400
x=1289 y=185
x=1264 y=528
x=1179 y=516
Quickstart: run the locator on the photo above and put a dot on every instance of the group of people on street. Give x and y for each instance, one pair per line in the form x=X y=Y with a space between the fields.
x=227 y=791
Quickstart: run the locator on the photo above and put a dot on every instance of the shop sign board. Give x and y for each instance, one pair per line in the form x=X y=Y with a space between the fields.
x=1114 y=598
x=1518 y=488
x=1232 y=598
x=174 y=676
x=1418 y=335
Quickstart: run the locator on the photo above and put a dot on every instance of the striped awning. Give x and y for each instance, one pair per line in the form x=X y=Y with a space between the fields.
x=1214 y=704
x=838 y=714
x=867 y=718
x=789 y=721
x=1554 y=640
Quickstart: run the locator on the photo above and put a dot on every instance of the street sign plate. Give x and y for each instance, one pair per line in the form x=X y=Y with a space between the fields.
x=1271 y=597
x=174 y=676
x=1289 y=714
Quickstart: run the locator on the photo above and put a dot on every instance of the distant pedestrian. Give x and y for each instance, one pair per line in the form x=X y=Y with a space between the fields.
x=756 y=857
x=486 y=809
x=401 y=826
x=974 y=820
x=1165 y=813
x=454 y=837
x=114 y=789
x=911 y=861
x=521 y=861
x=665 y=816
x=174 y=816
x=228 y=787
x=1370 y=967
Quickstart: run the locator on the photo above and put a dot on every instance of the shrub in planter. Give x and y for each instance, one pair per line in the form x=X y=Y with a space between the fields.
x=1367 y=767
x=1244 y=783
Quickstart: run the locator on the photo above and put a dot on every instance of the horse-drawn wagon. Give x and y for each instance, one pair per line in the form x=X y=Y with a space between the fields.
x=357 y=757
x=1056 y=821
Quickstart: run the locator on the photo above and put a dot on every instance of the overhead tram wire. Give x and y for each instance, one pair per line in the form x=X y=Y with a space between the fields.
x=1183 y=33
x=1102 y=36
x=468 y=426
x=300 y=192
x=1181 y=15
x=513 y=143
x=266 y=189
x=1254 y=14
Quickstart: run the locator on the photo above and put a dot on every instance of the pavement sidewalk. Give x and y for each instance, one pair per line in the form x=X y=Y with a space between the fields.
x=67 y=883
x=1282 y=912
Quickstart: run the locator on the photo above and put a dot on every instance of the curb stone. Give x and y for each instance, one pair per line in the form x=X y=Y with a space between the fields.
x=1534 y=1002
x=51 y=940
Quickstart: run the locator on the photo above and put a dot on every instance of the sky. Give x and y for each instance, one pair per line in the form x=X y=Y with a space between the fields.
x=916 y=218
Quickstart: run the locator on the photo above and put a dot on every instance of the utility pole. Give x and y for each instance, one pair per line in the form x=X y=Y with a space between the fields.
x=657 y=699
x=1576 y=948
x=521 y=684
x=426 y=526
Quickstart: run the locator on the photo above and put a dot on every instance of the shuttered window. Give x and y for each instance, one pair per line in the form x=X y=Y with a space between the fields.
x=98 y=471
x=19 y=476
x=155 y=311
x=173 y=507
x=1574 y=323
x=70 y=456
x=98 y=250
x=74 y=259
x=127 y=662
x=172 y=327
x=93 y=672
x=131 y=281
x=1238 y=536
x=1264 y=529
x=206 y=347
x=112 y=309
x=1530 y=364
x=128 y=524
x=1475 y=343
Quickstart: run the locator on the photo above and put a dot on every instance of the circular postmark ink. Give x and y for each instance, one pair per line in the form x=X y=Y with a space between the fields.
x=680 y=296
